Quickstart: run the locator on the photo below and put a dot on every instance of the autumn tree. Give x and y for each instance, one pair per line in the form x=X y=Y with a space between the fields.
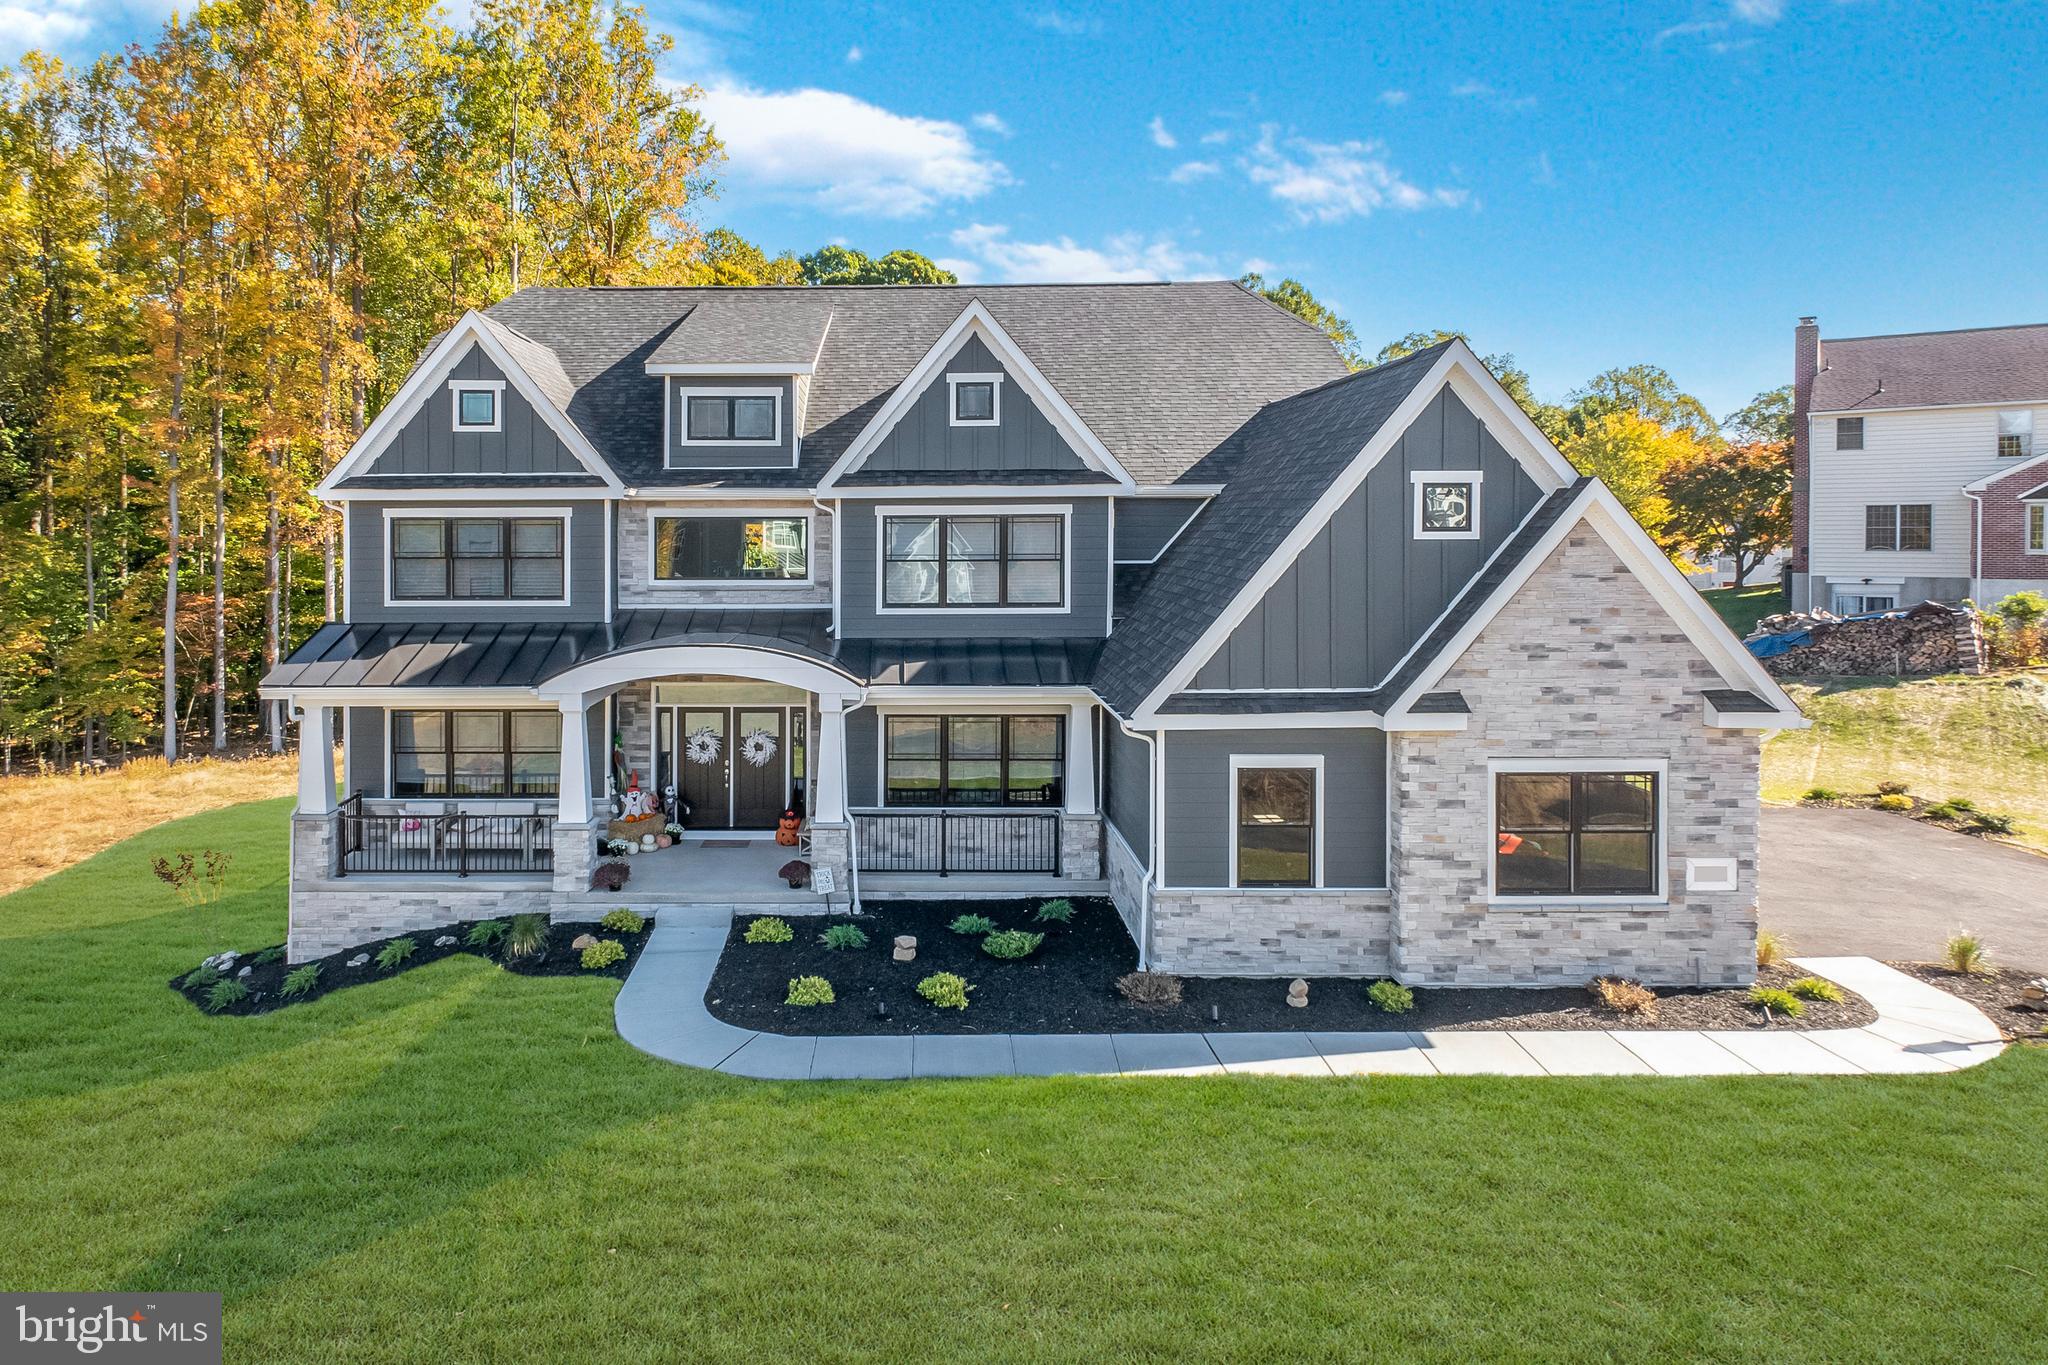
x=1633 y=456
x=1649 y=392
x=1733 y=500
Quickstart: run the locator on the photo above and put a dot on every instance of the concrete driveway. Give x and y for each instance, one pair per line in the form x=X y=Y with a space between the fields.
x=1863 y=882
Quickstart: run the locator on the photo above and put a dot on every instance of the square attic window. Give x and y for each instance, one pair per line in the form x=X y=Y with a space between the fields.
x=1447 y=504
x=476 y=407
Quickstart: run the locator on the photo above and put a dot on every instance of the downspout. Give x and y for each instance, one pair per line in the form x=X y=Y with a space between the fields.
x=1156 y=766
x=1977 y=549
x=815 y=502
x=846 y=800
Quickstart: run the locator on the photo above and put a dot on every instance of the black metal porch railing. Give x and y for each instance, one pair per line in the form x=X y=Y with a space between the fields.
x=945 y=841
x=458 y=842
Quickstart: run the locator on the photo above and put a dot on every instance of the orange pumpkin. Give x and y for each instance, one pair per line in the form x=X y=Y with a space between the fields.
x=786 y=828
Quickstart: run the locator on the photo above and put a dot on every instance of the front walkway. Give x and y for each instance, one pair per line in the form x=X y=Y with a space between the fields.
x=660 y=1010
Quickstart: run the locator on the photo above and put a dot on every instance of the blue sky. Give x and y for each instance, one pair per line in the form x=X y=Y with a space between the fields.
x=1580 y=185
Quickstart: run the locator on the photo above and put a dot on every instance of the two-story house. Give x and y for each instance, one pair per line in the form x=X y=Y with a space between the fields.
x=1129 y=588
x=1919 y=467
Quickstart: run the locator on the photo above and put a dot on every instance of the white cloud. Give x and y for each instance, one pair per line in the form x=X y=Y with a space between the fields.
x=1758 y=11
x=1327 y=182
x=1393 y=99
x=1129 y=257
x=1161 y=135
x=1188 y=172
x=53 y=24
x=1215 y=139
x=853 y=54
x=1060 y=22
x=846 y=154
x=1543 y=173
x=1257 y=265
x=991 y=123
x=1480 y=90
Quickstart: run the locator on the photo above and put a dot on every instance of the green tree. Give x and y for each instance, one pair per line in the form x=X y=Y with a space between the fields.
x=1733 y=500
x=1294 y=296
x=1647 y=391
x=1767 y=417
x=1633 y=456
x=728 y=258
x=837 y=264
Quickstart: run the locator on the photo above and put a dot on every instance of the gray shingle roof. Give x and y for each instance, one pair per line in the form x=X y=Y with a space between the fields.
x=1162 y=373
x=1925 y=369
x=723 y=328
x=1291 y=452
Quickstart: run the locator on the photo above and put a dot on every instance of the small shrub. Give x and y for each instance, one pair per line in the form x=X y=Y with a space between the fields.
x=602 y=954
x=1060 y=911
x=526 y=936
x=972 y=924
x=1149 y=988
x=300 y=981
x=1390 y=997
x=616 y=848
x=392 y=954
x=1813 y=988
x=485 y=933
x=1776 y=1001
x=844 y=936
x=623 y=921
x=809 y=990
x=945 y=990
x=1011 y=944
x=1965 y=952
x=610 y=877
x=1772 y=948
x=268 y=956
x=1821 y=794
x=223 y=993
x=1894 y=801
x=1624 y=996
x=1892 y=787
x=1962 y=803
x=201 y=977
x=769 y=929
x=1991 y=822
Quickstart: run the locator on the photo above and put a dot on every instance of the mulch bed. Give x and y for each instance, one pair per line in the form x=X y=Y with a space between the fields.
x=1996 y=992
x=265 y=979
x=1924 y=812
x=1069 y=986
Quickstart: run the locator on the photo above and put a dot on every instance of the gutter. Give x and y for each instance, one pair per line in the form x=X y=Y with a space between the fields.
x=1977 y=548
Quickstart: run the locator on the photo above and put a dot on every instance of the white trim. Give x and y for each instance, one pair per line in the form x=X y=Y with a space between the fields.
x=976 y=708
x=1477 y=389
x=406 y=698
x=1711 y=874
x=1660 y=853
x=993 y=380
x=684 y=441
x=2001 y=475
x=1926 y=407
x=1299 y=720
x=719 y=369
x=1200 y=503
x=494 y=387
x=976 y=320
x=1597 y=507
x=1065 y=511
x=584 y=493
x=475 y=802
x=864 y=492
x=2028 y=509
x=1311 y=762
x=565 y=515
x=471 y=329
x=740 y=661
x=1473 y=478
x=788 y=512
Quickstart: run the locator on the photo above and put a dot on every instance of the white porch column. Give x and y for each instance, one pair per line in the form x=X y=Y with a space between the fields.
x=316 y=760
x=574 y=801
x=828 y=765
x=1081 y=758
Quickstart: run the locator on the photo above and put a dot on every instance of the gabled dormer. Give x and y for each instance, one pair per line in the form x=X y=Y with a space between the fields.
x=734 y=393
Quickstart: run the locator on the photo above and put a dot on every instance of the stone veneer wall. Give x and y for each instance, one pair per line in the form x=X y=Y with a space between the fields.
x=1581 y=664
x=635 y=527
x=1081 y=847
x=1270 y=933
x=1126 y=882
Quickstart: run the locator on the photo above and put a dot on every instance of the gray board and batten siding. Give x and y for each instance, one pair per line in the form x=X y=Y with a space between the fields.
x=428 y=442
x=1146 y=526
x=1199 y=801
x=587 y=571
x=1364 y=590
x=1087 y=550
x=925 y=442
x=1127 y=787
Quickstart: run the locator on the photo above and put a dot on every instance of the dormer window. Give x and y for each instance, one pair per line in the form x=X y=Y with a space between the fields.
x=1447 y=504
x=977 y=399
x=732 y=417
x=478 y=404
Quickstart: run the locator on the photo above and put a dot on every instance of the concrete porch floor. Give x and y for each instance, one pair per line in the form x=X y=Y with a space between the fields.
x=692 y=872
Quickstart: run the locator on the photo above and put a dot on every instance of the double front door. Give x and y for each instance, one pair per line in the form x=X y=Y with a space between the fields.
x=731 y=765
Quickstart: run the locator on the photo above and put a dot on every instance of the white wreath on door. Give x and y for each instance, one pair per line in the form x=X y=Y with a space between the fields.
x=758 y=747
x=701 y=746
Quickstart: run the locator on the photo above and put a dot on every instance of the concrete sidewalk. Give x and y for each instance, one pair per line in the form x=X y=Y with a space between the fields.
x=661 y=1011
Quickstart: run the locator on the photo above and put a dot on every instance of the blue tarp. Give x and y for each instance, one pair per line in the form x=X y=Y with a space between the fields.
x=1770 y=646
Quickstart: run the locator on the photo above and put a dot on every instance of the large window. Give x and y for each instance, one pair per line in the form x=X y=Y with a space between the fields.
x=973 y=561
x=476 y=753
x=973 y=760
x=1575 y=834
x=729 y=417
x=1275 y=825
x=502 y=559
x=1898 y=526
x=731 y=549
x=2016 y=433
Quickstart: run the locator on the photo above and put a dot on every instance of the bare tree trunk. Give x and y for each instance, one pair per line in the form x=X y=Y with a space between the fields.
x=171 y=560
x=91 y=600
x=220 y=585
x=273 y=605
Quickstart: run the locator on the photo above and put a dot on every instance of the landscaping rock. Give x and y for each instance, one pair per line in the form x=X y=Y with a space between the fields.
x=582 y=941
x=1297 y=994
x=359 y=959
x=245 y=971
x=445 y=941
x=2034 y=995
x=906 y=948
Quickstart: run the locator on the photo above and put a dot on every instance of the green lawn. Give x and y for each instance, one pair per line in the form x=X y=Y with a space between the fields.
x=1984 y=738
x=461 y=1164
x=1742 y=608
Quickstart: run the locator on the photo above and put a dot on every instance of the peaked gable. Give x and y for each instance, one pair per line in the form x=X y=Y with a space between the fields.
x=428 y=442
x=925 y=441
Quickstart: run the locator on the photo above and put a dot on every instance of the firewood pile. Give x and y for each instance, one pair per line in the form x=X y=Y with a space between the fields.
x=1922 y=639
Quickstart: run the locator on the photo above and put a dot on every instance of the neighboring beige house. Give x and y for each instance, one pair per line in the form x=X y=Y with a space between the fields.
x=1920 y=467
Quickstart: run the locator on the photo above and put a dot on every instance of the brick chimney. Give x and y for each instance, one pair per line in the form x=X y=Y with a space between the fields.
x=1806 y=361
